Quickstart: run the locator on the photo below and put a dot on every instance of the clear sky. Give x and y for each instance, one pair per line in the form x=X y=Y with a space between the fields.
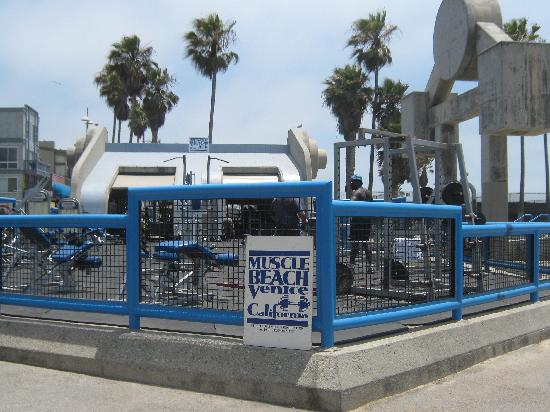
x=51 y=50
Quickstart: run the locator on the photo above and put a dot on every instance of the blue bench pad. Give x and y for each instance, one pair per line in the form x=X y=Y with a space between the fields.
x=169 y=256
x=179 y=247
x=66 y=252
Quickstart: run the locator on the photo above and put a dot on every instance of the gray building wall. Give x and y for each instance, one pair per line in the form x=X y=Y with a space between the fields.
x=56 y=159
x=19 y=129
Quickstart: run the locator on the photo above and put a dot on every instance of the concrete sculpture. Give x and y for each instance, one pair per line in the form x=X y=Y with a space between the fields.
x=512 y=96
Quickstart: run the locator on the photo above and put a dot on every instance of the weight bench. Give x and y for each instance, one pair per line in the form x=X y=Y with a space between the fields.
x=203 y=260
x=193 y=250
x=53 y=265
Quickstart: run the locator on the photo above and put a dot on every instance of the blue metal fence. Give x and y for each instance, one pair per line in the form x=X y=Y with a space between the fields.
x=321 y=191
x=441 y=238
x=405 y=212
x=17 y=222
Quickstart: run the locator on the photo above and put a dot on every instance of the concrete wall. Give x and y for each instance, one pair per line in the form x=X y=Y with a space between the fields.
x=11 y=123
x=89 y=158
x=306 y=153
x=414 y=118
x=514 y=86
x=56 y=159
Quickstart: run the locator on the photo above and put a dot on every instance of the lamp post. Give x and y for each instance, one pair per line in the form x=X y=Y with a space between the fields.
x=184 y=163
x=86 y=120
x=208 y=167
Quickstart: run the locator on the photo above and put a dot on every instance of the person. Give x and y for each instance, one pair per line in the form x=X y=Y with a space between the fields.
x=287 y=215
x=360 y=227
x=355 y=183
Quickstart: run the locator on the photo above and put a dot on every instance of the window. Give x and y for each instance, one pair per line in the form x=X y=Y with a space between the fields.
x=8 y=184
x=8 y=158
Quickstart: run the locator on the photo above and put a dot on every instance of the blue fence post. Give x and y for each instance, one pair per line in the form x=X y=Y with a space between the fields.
x=459 y=267
x=326 y=266
x=533 y=262
x=1 y=272
x=133 y=258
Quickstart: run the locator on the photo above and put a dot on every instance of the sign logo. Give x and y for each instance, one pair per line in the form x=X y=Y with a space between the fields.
x=198 y=145
x=278 y=296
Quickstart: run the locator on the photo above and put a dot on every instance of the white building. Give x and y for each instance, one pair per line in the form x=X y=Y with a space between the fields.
x=104 y=171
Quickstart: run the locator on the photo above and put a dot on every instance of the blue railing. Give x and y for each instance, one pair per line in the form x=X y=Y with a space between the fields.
x=321 y=191
x=404 y=211
x=532 y=232
x=328 y=212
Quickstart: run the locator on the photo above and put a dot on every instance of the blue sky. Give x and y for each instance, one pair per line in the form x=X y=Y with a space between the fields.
x=286 y=48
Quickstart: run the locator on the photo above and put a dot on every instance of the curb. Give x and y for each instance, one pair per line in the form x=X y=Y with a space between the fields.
x=340 y=379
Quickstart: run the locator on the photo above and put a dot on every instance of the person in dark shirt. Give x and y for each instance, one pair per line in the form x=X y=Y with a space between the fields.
x=287 y=215
x=355 y=182
x=360 y=227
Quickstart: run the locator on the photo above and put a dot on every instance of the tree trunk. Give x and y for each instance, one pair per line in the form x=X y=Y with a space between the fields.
x=350 y=168
x=114 y=127
x=212 y=104
x=521 y=206
x=374 y=114
x=546 y=173
x=155 y=134
x=119 y=127
x=133 y=102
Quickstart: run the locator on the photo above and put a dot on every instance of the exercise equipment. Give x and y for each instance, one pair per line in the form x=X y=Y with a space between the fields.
x=181 y=277
x=51 y=262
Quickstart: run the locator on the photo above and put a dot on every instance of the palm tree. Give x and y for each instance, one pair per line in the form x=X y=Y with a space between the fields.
x=369 y=42
x=347 y=96
x=208 y=48
x=105 y=91
x=389 y=104
x=158 y=99
x=518 y=31
x=137 y=121
x=390 y=95
x=131 y=62
x=389 y=117
x=111 y=88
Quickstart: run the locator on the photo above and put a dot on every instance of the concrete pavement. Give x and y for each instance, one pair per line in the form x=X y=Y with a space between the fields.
x=516 y=381
x=30 y=388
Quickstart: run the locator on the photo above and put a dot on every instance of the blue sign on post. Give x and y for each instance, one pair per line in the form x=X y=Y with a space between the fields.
x=198 y=145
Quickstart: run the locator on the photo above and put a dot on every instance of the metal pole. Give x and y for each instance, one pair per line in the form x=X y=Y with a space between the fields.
x=208 y=166
x=208 y=171
x=337 y=172
x=387 y=173
x=459 y=155
x=412 y=170
x=184 y=161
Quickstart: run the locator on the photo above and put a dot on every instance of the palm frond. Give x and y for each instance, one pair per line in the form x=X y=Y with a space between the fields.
x=207 y=45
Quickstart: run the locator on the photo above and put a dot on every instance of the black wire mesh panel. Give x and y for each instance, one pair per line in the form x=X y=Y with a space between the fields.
x=544 y=257
x=193 y=251
x=389 y=262
x=492 y=263
x=78 y=263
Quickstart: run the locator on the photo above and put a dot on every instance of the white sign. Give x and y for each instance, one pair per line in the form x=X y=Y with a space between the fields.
x=278 y=296
x=198 y=145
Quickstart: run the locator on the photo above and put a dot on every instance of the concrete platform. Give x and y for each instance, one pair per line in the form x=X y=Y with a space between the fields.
x=339 y=379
